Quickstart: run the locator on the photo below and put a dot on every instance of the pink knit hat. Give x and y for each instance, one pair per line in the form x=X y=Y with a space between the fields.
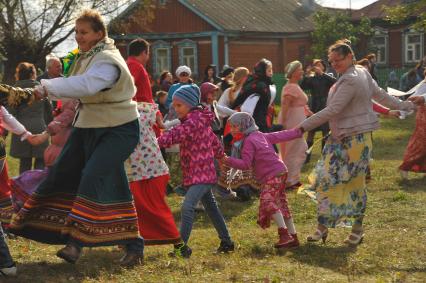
x=207 y=88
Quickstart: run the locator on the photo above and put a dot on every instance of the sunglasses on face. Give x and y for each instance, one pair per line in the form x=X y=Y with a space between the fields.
x=183 y=75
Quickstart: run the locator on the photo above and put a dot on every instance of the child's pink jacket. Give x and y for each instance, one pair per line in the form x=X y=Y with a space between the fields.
x=199 y=146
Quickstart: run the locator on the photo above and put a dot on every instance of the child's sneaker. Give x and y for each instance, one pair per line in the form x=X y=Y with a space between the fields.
x=226 y=247
x=199 y=207
x=8 y=271
x=181 y=250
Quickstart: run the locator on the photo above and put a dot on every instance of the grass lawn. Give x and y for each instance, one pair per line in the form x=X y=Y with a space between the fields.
x=393 y=250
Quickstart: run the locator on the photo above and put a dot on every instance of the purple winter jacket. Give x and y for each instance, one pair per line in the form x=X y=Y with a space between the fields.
x=199 y=146
x=258 y=153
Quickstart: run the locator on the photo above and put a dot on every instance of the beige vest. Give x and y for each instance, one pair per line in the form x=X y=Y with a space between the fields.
x=111 y=107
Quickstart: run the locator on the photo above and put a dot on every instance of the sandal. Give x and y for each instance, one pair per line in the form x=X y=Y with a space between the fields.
x=318 y=235
x=356 y=238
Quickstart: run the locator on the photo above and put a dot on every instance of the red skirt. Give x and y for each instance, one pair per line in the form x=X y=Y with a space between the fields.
x=272 y=200
x=415 y=154
x=156 y=223
x=6 y=208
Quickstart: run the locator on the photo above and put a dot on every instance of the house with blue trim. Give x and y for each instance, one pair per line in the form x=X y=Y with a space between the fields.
x=236 y=33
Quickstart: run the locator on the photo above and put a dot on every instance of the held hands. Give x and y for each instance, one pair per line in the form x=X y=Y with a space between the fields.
x=38 y=139
x=40 y=92
x=222 y=161
x=418 y=100
x=394 y=114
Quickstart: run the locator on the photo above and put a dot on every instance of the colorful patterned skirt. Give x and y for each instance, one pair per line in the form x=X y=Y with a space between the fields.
x=156 y=223
x=415 y=154
x=272 y=200
x=337 y=184
x=85 y=197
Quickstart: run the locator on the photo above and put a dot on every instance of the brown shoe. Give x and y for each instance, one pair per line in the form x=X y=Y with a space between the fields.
x=295 y=243
x=70 y=253
x=131 y=259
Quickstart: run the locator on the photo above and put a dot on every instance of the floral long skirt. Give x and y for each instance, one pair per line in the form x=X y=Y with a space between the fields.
x=337 y=184
x=272 y=200
x=415 y=154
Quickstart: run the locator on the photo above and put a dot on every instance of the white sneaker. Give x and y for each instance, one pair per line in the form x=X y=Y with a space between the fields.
x=404 y=174
x=8 y=271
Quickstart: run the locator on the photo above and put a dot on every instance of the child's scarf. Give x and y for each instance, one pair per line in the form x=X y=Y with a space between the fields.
x=246 y=125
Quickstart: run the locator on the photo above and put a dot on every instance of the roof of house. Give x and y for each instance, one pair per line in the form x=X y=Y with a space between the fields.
x=279 y=16
x=274 y=16
x=375 y=10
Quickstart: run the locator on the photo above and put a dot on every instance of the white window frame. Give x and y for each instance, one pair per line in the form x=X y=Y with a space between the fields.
x=411 y=47
x=182 y=60
x=384 y=58
x=161 y=45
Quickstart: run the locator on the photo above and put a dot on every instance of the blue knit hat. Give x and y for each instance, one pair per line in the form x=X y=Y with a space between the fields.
x=188 y=94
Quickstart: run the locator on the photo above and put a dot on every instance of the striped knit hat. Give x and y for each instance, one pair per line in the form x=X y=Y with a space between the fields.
x=188 y=94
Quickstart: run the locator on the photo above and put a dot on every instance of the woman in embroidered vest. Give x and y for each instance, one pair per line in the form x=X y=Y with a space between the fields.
x=257 y=92
x=85 y=200
x=338 y=180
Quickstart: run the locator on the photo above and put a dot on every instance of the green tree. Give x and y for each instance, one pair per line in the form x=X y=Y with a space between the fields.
x=330 y=27
x=31 y=29
x=414 y=11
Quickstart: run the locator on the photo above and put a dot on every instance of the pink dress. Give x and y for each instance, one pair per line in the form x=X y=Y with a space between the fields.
x=293 y=152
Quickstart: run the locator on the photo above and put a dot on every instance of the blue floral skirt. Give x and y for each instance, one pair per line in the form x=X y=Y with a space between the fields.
x=337 y=184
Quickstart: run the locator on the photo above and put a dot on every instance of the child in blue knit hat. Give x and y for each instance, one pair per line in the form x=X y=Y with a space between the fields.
x=199 y=146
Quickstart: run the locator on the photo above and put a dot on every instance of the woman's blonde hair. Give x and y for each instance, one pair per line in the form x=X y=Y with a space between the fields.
x=291 y=67
x=239 y=74
x=95 y=20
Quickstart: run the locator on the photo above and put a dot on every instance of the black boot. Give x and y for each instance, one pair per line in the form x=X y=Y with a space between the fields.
x=226 y=247
x=70 y=253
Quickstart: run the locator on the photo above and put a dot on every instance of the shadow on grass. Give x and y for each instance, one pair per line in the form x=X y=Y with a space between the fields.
x=413 y=184
x=410 y=269
x=330 y=257
x=229 y=209
x=92 y=264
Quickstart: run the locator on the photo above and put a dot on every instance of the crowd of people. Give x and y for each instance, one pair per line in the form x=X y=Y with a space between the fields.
x=102 y=180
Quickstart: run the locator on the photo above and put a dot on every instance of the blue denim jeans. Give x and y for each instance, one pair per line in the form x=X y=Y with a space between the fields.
x=194 y=194
x=5 y=257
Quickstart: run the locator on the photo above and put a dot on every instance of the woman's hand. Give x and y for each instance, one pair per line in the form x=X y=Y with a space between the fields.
x=40 y=92
x=394 y=113
x=223 y=161
x=418 y=100
x=38 y=139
